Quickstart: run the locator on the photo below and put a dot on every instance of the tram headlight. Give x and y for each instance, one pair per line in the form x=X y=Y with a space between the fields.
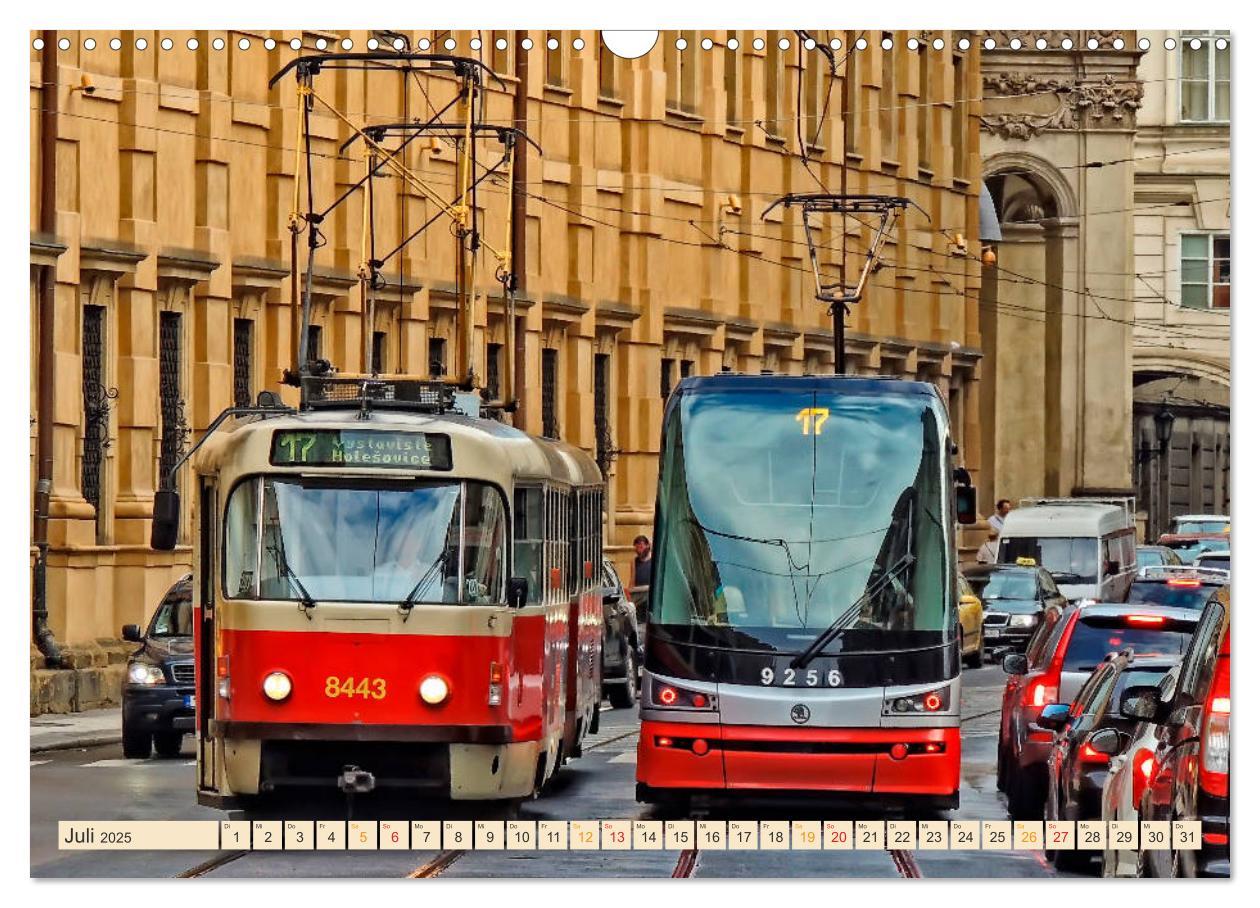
x=277 y=686
x=145 y=673
x=434 y=690
x=932 y=701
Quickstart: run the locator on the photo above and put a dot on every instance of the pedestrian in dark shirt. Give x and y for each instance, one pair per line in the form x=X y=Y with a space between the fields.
x=642 y=575
x=642 y=561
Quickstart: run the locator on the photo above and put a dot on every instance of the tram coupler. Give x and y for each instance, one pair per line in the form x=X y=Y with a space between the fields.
x=354 y=781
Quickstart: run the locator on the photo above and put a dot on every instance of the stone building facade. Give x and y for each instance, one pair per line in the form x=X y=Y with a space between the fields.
x=1181 y=342
x=646 y=254
x=1057 y=307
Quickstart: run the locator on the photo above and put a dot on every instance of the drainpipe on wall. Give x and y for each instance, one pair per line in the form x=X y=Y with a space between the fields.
x=46 y=391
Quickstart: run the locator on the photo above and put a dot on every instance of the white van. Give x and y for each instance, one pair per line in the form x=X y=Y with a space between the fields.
x=1088 y=545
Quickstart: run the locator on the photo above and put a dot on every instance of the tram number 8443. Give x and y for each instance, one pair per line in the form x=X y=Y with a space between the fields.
x=348 y=687
x=812 y=677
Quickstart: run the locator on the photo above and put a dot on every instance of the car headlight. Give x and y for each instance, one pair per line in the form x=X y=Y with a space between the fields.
x=144 y=673
x=1023 y=620
x=434 y=690
x=277 y=686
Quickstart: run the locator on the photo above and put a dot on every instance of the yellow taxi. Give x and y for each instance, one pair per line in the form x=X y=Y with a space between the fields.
x=970 y=622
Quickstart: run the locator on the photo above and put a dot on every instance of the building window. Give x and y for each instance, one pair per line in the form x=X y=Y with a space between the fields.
x=437 y=357
x=962 y=107
x=170 y=393
x=774 y=85
x=501 y=59
x=242 y=362
x=603 y=431
x=817 y=76
x=550 y=363
x=379 y=342
x=686 y=367
x=95 y=406
x=1204 y=77
x=680 y=72
x=888 y=98
x=607 y=72
x=314 y=343
x=853 y=103
x=553 y=63
x=667 y=377
x=493 y=352
x=1205 y=270
x=730 y=83
x=923 y=111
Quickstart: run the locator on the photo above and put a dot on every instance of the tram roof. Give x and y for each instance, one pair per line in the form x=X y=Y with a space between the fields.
x=854 y=384
x=500 y=447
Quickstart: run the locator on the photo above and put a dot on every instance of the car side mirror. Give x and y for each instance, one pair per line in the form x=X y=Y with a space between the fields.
x=1140 y=702
x=131 y=633
x=1109 y=741
x=965 y=496
x=517 y=592
x=1054 y=715
x=165 y=531
x=1015 y=664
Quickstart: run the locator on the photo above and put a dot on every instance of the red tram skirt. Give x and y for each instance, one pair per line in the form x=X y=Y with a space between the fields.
x=910 y=761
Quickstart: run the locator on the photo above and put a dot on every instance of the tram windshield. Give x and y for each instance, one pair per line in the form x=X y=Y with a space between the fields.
x=334 y=540
x=786 y=512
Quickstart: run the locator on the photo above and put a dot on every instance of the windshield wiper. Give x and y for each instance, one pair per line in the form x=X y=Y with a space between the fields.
x=848 y=615
x=305 y=602
x=408 y=603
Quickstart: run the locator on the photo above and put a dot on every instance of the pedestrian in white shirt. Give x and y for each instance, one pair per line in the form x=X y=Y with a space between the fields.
x=1000 y=510
x=987 y=553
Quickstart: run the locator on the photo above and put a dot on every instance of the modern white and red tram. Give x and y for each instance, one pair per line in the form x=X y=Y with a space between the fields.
x=802 y=637
x=389 y=594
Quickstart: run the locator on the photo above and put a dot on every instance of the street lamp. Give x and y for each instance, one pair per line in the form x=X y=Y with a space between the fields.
x=1164 y=420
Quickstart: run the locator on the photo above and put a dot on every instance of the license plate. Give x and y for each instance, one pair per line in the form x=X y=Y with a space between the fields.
x=190 y=701
x=993 y=632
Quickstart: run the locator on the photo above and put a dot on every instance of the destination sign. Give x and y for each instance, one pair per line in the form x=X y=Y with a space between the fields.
x=359 y=448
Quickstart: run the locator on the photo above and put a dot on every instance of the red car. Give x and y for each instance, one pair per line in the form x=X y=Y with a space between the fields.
x=1060 y=658
x=1190 y=776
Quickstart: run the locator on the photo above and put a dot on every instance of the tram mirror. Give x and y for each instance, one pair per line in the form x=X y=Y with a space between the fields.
x=517 y=592
x=165 y=530
x=966 y=496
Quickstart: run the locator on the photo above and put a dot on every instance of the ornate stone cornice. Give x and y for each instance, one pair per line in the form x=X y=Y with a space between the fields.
x=1080 y=104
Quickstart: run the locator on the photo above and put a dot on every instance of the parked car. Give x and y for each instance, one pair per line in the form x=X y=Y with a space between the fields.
x=158 y=696
x=1128 y=774
x=970 y=619
x=622 y=652
x=1190 y=775
x=1156 y=555
x=1090 y=731
x=1014 y=599
x=1180 y=586
x=1218 y=559
x=1054 y=670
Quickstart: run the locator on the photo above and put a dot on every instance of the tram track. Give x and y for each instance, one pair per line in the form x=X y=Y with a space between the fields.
x=207 y=867
x=905 y=863
x=688 y=863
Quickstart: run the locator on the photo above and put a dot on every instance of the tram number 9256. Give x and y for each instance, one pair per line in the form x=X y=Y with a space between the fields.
x=804 y=677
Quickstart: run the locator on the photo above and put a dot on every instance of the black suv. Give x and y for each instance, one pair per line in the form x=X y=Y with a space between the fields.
x=622 y=653
x=1178 y=586
x=158 y=694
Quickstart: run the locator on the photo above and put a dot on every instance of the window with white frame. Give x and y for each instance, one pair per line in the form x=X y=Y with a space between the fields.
x=1205 y=270
x=1205 y=77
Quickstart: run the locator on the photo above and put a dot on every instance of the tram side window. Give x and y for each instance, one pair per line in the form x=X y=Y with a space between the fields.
x=240 y=564
x=483 y=556
x=527 y=540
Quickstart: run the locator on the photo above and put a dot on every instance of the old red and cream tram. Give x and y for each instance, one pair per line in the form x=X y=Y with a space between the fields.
x=803 y=632
x=390 y=594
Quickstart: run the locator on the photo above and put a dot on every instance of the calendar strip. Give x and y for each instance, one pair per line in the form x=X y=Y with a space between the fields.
x=625 y=835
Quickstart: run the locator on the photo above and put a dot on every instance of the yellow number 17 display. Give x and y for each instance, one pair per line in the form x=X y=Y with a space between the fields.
x=812 y=418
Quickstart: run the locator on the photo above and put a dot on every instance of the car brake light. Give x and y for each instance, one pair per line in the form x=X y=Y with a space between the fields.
x=1145 y=619
x=668 y=696
x=1143 y=766
x=1043 y=691
x=1187 y=582
x=1216 y=838
x=1214 y=735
